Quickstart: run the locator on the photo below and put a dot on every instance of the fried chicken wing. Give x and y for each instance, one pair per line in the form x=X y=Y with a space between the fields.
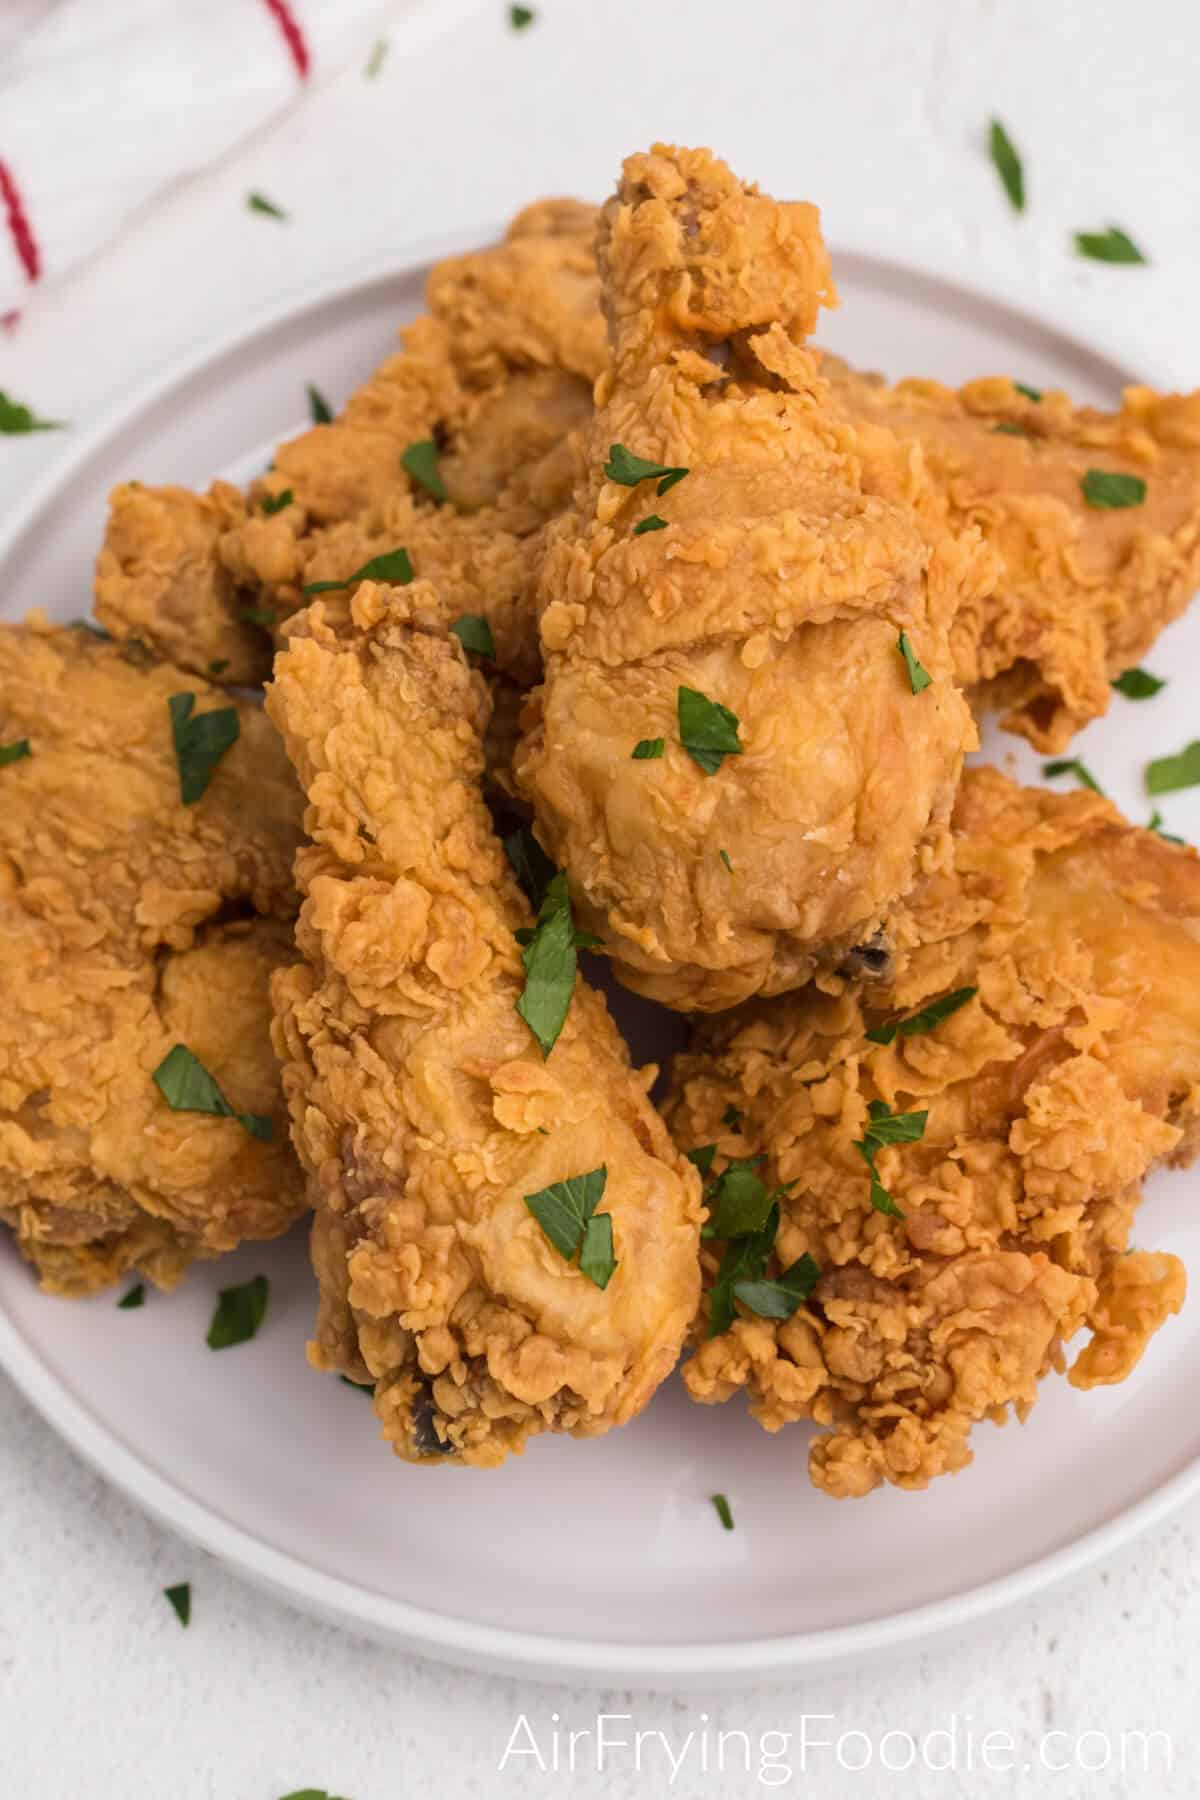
x=753 y=573
x=126 y=927
x=421 y=1104
x=1062 y=955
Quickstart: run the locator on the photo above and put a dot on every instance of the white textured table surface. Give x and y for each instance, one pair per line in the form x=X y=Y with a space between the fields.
x=878 y=112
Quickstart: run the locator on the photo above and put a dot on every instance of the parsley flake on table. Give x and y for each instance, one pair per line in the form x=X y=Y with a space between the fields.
x=393 y=566
x=1071 y=765
x=708 y=731
x=259 y=203
x=17 y=420
x=723 y=1510
x=627 y=470
x=521 y=16
x=649 y=749
x=421 y=462
x=275 y=503
x=134 y=1298
x=652 y=523
x=1139 y=684
x=319 y=408
x=1030 y=393
x=1169 y=773
x=919 y=677
x=780 y=1298
x=925 y=1020
x=1111 y=246
x=377 y=58
x=566 y=1212
x=1155 y=822
x=1108 y=490
x=1007 y=164
x=14 y=752
x=550 y=963
x=186 y=1086
x=474 y=633
x=886 y=1127
x=200 y=743
x=238 y=1313
x=181 y=1600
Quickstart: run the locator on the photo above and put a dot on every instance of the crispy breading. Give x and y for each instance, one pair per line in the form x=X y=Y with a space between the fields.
x=421 y=1104
x=778 y=589
x=122 y=932
x=1073 y=1069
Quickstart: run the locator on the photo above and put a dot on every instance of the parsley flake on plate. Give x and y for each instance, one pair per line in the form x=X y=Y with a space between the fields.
x=17 y=420
x=627 y=470
x=393 y=566
x=919 y=677
x=319 y=408
x=649 y=749
x=566 y=1212
x=925 y=1020
x=886 y=1127
x=723 y=1510
x=259 y=203
x=521 y=16
x=708 y=731
x=186 y=1086
x=1111 y=246
x=1108 y=490
x=652 y=523
x=377 y=58
x=1169 y=773
x=133 y=1299
x=275 y=503
x=311 y=1794
x=1155 y=823
x=1007 y=164
x=1030 y=393
x=1071 y=765
x=14 y=752
x=201 y=740
x=1139 y=684
x=181 y=1600
x=474 y=633
x=550 y=963
x=238 y=1313
x=421 y=462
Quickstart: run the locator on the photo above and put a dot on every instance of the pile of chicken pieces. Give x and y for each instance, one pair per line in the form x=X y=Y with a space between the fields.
x=612 y=614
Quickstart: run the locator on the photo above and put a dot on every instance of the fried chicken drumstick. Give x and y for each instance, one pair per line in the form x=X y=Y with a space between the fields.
x=127 y=927
x=724 y=585
x=421 y=1104
x=964 y=1189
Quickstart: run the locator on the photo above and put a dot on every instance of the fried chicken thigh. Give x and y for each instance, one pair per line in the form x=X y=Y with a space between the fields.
x=768 y=584
x=421 y=1104
x=1063 y=1065
x=127 y=926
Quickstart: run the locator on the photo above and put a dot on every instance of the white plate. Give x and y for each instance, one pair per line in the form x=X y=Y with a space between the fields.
x=601 y=1560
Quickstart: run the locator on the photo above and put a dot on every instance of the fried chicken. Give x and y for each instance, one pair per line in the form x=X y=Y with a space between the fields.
x=775 y=590
x=498 y=377
x=126 y=927
x=1065 y=946
x=421 y=1104
x=1081 y=591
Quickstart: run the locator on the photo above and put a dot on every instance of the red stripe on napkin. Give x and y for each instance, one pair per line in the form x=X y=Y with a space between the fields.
x=293 y=37
x=19 y=227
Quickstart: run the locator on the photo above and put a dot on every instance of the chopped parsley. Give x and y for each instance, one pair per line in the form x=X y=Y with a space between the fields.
x=723 y=1510
x=745 y=1260
x=97 y=631
x=738 y=1202
x=259 y=203
x=260 y=615
x=421 y=462
x=1105 y=489
x=919 y=677
x=14 y=752
x=377 y=58
x=219 y=667
x=275 y=503
x=319 y=408
x=312 y=1794
x=731 y=1117
x=474 y=633
x=653 y=523
x=702 y=1157
x=1007 y=165
x=392 y=565
x=1155 y=824
x=925 y=1020
x=1111 y=246
x=627 y=470
x=181 y=1600
x=1071 y=765
x=17 y=420
x=134 y=1298
x=238 y=1314
x=1012 y=428
x=780 y=1298
x=1168 y=773
x=708 y=731
x=530 y=864
x=566 y=1212
x=360 y=1387
x=1030 y=393
x=1139 y=684
x=550 y=964
x=186 y=1086
x=724 y=856
x=886 y=1127
x=521 y=16
x=649 y=749
x=200 y=743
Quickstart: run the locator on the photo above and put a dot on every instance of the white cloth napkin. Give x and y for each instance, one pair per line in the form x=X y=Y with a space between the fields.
x=105 y=103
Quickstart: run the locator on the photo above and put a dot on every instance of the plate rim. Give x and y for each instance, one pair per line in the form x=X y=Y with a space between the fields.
x=448 y=1637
